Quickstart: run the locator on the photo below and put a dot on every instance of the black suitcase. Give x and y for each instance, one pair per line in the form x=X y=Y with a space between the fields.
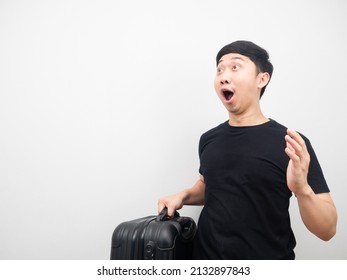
x=154 y=238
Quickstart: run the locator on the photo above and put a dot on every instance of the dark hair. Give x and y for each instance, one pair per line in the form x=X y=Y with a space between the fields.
x=258 y=55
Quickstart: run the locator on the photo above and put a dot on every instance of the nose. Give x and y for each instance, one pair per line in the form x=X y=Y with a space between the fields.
x=224 y=78
x=224 y=81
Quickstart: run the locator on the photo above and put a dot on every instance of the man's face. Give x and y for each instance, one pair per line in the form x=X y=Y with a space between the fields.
x=237 y=83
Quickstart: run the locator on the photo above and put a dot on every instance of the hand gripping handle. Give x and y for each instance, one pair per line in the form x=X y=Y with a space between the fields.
x=162 y=216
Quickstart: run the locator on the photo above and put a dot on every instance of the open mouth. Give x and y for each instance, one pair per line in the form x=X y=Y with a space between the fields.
x=228 y=94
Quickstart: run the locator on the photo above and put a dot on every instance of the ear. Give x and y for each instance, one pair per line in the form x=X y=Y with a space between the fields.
x=263 y=79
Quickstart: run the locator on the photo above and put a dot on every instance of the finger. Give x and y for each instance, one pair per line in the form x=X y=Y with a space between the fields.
x=293 y=145
x=296 y=148
x=297 y=143
x=170 y=211
x=290 y=147
x=161 y=206
x=296 y=137
x=291 y=154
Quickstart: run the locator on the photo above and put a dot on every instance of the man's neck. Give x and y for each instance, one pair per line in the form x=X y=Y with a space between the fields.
x=248 y=120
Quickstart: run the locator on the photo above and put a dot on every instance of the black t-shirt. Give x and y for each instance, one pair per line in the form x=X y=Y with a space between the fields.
x=246 y=215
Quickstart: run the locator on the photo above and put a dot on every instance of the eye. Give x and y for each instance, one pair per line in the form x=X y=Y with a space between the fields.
x=219 y=70
x=235 y=67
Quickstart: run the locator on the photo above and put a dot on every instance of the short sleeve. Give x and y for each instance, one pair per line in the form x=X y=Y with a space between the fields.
x=315 y=176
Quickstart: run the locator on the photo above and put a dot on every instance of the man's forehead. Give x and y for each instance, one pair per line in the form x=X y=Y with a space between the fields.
x=233 y=56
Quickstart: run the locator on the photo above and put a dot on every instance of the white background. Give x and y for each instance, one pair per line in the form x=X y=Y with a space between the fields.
x=102 y=104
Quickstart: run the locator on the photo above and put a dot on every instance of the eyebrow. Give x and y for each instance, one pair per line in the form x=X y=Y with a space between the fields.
x=233 y=58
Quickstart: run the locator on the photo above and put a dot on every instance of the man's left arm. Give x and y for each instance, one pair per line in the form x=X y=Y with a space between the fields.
x=317 y=211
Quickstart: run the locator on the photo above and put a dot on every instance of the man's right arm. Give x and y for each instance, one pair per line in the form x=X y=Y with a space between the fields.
x=192 y=196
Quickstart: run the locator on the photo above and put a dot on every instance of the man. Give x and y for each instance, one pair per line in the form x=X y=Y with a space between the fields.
x=249 y=168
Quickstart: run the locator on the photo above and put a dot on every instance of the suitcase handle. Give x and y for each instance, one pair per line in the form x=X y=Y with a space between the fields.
x=163 y=215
